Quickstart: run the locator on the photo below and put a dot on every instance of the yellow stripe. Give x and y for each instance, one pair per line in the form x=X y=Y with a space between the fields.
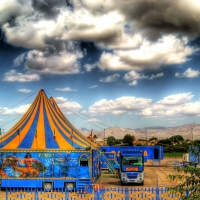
x=39 y=142
x=62 y=143
x=15 y=142
x=63 y=130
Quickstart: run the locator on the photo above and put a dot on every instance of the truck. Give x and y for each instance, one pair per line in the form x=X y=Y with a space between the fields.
x=50 y=168
x=131 y=168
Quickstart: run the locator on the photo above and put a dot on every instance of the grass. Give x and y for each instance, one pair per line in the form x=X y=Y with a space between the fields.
x=174 y=154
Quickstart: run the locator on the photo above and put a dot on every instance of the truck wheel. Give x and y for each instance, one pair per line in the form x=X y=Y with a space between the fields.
x=122 y=183
x=142 y=183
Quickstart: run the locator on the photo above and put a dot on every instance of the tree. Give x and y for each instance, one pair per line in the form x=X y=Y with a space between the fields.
x=111 y=140
x=189 y=188
x=128 y=139
x=95 y=136
x=177 y=138
x=153 y=138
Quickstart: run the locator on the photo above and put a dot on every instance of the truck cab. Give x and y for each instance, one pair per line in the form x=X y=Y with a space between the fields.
x=131 y=167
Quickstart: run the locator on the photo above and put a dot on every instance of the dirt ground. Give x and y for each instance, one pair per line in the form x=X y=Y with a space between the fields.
x=155 y=176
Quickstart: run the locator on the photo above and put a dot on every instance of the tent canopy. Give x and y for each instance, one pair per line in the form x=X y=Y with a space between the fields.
x=44 y=126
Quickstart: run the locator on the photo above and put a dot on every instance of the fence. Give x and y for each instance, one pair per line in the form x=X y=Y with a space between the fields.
x=124 y=193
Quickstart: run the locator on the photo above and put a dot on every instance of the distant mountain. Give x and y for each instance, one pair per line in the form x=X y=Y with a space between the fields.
x=188 y=131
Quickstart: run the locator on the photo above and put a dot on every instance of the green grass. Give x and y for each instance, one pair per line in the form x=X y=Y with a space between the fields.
x=174 y=154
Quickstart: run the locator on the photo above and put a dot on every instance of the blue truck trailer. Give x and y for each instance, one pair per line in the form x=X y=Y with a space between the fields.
x=154 y=153
x=71 y=169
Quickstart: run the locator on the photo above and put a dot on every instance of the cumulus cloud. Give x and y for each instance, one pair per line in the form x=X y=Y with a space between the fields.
x=172 y=106
x=20 y=110
x=14 y=76
x=67 y=89
x=168 y=50
x=119 y=105
x=110 y=79
x=68 y=107
x=92 y=87
x=155 y=17
x=24 y=90
x=63 y=62
x=19 y=60
x=189 y=73
x=176 y=99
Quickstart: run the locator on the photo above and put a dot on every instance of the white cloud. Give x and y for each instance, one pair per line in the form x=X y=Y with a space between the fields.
x=110 y=79
x=12 y=111
x=57 y=63
x=67 y=89
x=89 y=67
x=68 y=107
x=133 y=75
x=24 y=90
x=133 y=83
x=119 y=105
x=166 y=51
x=189 y=73
x=92 y=87
x=93 y=120
x=19 y=60
x=13 y=76
x=176 y=99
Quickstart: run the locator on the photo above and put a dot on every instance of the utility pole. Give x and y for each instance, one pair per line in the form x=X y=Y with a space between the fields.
x=104 y=137
x=146 y=136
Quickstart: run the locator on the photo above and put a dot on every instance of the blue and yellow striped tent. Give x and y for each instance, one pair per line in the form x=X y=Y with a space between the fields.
x=44 y=126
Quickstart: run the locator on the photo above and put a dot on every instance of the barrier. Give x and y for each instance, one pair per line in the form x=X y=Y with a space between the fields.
x=98 y=193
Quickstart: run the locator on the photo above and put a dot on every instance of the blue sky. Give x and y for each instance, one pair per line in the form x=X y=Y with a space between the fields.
x=131 y=64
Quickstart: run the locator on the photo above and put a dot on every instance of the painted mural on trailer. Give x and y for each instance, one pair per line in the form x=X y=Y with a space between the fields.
x=44 y=164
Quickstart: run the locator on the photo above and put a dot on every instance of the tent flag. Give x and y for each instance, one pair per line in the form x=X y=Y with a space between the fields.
x=71 y=136
x=36 y=133
x=54 y=134
x=90 y=135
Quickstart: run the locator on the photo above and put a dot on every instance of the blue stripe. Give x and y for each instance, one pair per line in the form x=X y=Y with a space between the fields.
x=50 y=141
x=28 y=139
x=4 y=143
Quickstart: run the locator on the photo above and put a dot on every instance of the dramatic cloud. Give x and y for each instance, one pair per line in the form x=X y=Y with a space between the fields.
x=68 y=107
x=168 y=50
x=13 y=76
x=154 y=17
x=24 y=90
x=67 y=89
x=110 y=79
x=189 y=73
x=54 y=63
x=119 y=105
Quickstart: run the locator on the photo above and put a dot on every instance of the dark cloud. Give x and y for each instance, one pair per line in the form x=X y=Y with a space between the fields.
x=154 y=17
x=48 y=7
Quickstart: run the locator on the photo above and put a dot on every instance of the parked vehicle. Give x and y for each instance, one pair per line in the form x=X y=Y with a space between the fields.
x=131 y=167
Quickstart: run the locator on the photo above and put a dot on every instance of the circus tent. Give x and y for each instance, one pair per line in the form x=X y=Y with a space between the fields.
x=44 y=126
